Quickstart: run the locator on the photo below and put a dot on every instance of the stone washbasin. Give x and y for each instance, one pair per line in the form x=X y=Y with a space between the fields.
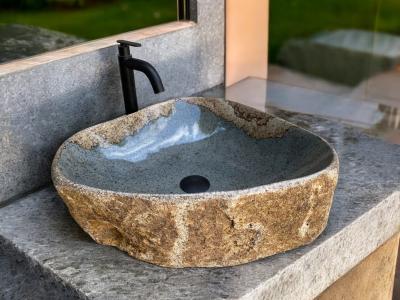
x=198 y=182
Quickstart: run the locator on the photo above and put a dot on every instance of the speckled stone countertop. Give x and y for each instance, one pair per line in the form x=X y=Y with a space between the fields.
x=365 y=213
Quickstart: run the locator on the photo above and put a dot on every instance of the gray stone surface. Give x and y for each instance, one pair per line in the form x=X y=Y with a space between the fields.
x=22 y=280
x=19 y=41
x=42 y=106
x=345 y=56
x=365 y=213
x=194 y=141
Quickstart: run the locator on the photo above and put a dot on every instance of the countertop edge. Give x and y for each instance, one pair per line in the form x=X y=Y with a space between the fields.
x=370 y=232
x=34 y=266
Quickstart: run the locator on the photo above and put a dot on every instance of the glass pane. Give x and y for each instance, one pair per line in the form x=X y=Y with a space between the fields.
x=29 y=27
x=338 y=59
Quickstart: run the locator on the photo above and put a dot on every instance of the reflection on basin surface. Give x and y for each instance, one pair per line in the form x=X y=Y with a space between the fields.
x=193 y=140
x=198 y=182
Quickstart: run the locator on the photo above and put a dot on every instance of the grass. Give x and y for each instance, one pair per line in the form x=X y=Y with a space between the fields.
x=100 y=20
x=302 y=18
x=288 y=18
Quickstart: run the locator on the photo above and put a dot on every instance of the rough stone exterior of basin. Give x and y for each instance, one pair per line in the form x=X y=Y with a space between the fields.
x=201 y=230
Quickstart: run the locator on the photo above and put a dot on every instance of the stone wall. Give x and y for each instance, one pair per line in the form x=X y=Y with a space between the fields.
x=43 y=103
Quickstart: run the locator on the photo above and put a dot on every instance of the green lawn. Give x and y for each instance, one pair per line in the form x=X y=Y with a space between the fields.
x=302 y=18
x=100 y=20
x=288 y=18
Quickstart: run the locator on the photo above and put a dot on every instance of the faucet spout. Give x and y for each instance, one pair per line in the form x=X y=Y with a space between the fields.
x=149 y=71
x=127 y=64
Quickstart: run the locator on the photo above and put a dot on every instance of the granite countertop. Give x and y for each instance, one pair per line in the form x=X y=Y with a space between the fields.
x=365 y=213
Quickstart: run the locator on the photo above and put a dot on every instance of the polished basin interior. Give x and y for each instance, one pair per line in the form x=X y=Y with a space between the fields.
x=192 y=140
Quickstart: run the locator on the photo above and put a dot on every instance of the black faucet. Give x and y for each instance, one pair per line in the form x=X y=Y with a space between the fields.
x=127 y=64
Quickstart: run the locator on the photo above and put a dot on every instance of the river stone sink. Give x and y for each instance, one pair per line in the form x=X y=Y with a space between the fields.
x=262 y=185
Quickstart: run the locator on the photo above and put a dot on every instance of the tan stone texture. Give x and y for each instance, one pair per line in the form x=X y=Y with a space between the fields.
x=208 y=229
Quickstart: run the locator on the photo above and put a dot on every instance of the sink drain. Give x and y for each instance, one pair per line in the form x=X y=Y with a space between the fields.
x=194 y=184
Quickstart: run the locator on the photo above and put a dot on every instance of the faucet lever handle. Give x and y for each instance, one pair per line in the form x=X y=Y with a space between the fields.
x=128 y=43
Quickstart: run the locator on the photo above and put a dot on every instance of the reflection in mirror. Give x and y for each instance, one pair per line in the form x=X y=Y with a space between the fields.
x=32 y=27
x=338 y=59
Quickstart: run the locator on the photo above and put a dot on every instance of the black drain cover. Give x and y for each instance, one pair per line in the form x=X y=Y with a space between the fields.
x=194 y=184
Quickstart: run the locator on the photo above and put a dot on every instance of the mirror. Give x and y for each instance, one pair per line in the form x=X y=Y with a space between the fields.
x=31 y=27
